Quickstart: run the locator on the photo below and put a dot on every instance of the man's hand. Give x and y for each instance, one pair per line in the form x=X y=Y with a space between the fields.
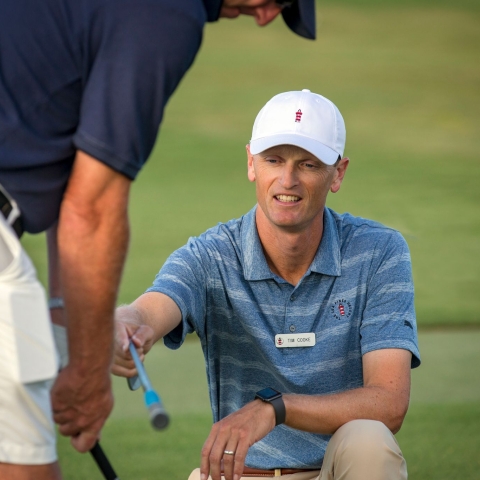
x=142 y=337
x=235 y=433
x=148 y=319
x=81 y=404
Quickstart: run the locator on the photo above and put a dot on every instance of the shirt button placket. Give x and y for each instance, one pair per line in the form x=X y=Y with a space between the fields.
x=288 y=319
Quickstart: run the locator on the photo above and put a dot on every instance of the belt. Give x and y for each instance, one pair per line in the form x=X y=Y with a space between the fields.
x=277 y=472
x=10 y=210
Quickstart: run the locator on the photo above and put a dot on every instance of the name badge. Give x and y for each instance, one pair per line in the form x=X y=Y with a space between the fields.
x=289 y=340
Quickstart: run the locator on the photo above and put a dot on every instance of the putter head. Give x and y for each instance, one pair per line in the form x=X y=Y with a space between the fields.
x=159 y=418
x=134 y=383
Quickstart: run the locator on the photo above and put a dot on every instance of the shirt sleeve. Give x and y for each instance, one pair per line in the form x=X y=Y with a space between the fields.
x=136 y=53
x=389 y=317
x=185 y=279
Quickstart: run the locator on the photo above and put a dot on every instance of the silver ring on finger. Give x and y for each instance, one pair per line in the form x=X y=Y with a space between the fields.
x=229 y=452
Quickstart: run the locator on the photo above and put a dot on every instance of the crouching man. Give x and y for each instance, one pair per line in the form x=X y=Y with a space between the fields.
x=305 y=316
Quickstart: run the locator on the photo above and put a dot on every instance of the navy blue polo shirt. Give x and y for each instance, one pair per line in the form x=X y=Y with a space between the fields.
x=356 y=297
x=93 y=75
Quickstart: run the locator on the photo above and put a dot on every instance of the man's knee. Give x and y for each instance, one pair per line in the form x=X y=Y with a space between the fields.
x=30 y=472
x=364 y=437
x=365 y=449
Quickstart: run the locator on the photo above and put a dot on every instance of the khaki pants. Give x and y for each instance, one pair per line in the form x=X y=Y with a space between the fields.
x=359 y=450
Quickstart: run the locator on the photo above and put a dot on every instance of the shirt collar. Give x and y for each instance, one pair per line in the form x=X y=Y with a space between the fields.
x=255 y=265
x=326 y=261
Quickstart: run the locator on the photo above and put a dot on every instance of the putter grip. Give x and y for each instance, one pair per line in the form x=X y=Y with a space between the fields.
x=103 y=462
x=158 y=416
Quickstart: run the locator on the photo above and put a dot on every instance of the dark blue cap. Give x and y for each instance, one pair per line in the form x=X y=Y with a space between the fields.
x=300 y=18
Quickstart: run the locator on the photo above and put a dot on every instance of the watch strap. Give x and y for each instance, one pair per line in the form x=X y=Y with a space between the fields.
x=280 y=411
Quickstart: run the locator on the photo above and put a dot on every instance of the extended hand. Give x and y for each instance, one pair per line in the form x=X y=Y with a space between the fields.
x=235 y=433
x=81 y=404
x=126 y=331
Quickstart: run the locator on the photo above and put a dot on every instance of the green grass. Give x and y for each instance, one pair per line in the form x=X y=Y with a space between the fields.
x=439 y=438
x=442 y=441
x=406 y=79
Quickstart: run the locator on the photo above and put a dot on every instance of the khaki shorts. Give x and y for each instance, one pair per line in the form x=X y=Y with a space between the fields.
x=27 y=435
x=28 y=360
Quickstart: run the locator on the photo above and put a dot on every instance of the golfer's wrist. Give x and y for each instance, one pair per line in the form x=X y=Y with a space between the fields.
x=269 y=411
x=91 y=356
x=90 y=364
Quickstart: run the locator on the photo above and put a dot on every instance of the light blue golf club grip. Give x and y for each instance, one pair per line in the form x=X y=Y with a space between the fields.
x=158 y=416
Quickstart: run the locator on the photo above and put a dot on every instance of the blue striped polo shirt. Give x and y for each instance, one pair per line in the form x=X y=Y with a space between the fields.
x=356 y=296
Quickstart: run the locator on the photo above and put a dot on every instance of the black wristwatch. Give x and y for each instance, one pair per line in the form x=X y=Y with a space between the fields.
x=274 y=398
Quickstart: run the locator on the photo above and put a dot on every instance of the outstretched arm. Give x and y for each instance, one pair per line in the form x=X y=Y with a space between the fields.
x=149 y=318
x=92 y=243
x=384 y=397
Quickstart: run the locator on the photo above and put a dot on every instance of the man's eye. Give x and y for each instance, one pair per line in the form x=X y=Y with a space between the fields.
x=310 y=165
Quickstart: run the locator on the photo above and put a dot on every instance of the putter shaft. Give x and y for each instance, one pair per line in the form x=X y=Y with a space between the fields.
x=158 y=416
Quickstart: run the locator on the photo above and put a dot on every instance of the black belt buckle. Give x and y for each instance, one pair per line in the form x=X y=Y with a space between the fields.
x=11 y=212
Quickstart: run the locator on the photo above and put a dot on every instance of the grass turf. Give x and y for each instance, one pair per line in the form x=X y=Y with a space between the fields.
x=439 y=437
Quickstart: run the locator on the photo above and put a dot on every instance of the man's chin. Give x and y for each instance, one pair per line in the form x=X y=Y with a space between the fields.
x=289 y=225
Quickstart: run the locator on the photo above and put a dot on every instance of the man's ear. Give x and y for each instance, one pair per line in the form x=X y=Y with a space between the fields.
x=340 y=171
x=250 y=168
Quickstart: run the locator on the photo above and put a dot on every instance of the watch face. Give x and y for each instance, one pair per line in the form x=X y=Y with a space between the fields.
x=268 y=393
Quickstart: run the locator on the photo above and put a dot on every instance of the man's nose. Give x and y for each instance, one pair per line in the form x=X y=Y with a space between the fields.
x=288 y=177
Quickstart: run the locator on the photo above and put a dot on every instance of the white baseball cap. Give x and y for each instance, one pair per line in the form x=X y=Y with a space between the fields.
x=304 y=119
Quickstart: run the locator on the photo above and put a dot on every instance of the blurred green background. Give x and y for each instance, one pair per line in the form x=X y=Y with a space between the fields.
x=406 y=77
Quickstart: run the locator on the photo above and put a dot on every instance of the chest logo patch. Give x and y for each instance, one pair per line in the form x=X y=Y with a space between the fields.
x=341 y=309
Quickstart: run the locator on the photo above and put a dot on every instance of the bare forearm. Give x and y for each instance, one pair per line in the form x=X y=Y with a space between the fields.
x=144 y=322
x=155 y=310
x=326 y=413
x=92 y=243
x=92 y=250
x=384 y=397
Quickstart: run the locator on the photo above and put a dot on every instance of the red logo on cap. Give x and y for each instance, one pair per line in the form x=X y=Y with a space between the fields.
x=298 y=116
